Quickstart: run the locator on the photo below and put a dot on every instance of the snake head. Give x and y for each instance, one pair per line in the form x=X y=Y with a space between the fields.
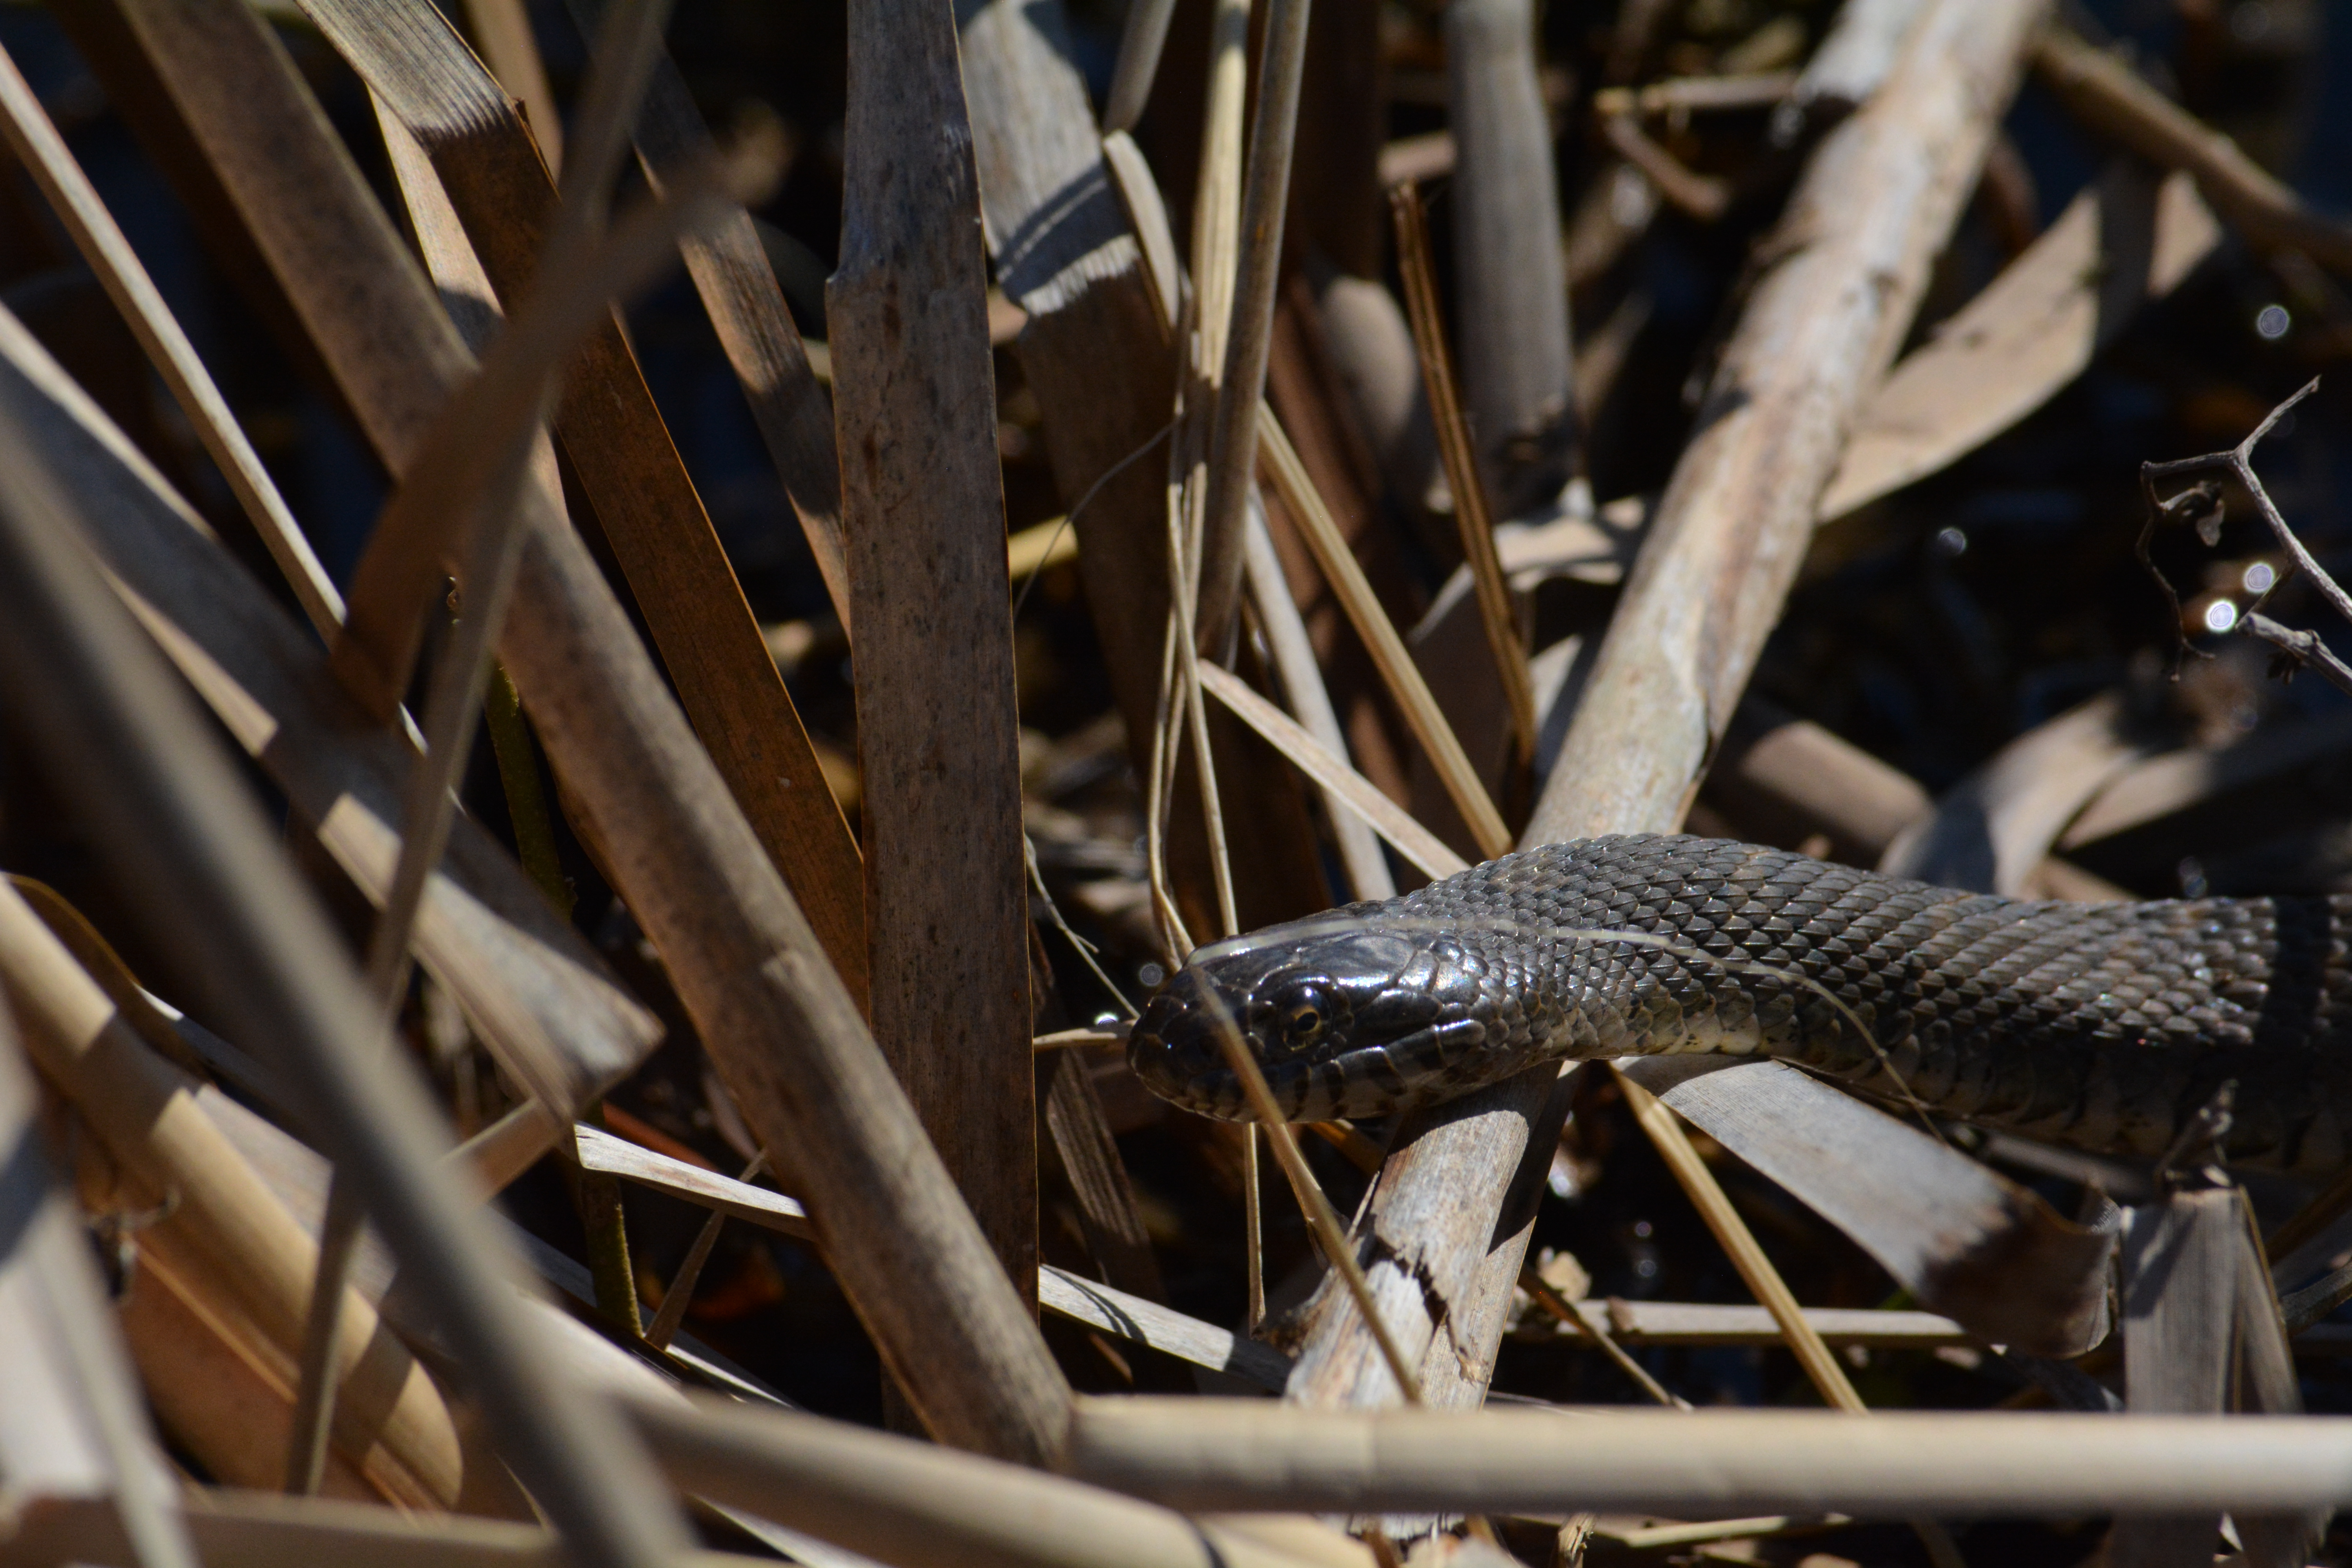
x=1345 y=1020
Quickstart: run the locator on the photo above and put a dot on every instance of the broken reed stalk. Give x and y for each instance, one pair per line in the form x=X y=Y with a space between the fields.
x=125 y=740
x=109 y=256
x=1141 y=38
x=1292 y=656
x=781 y=1026
x=1234 y=422
x=1512 y=320
x=497 y=187
x=680 y=1295
x=463 y=488
x=1871 y=211
x=1205 y=1454
x=1471 y=517
x=755 y=328
x=922 y=503
x=1341 y=784
x=74 y=1401
x=1402 y=677
x=2115 y=100
x=915 y=1506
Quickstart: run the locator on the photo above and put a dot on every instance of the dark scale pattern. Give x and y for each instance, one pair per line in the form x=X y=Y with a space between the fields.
x=2103 y=1026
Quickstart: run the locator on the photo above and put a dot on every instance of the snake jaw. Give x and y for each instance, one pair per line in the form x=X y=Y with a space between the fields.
x=1344 y=1021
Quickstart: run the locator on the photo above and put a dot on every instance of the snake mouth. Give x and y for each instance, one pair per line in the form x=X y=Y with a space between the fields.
x=1366 y=1081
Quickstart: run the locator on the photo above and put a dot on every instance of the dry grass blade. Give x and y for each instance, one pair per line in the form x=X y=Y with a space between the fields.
x=1565 y=1312
x=1233 y=433
x=162 y=794
x=1329 y=1235
x=731 y=271
x=747 y=964
x=1402 y=677
x=472 y=457
x=1740 y=1243
x=101 y=243
x=2131 y=239
x=1471 y=517
x=483 y=207
x=503 y=27
x=1424 y=849
x=1187 y=715
x=467 y=479
x=1300 y=678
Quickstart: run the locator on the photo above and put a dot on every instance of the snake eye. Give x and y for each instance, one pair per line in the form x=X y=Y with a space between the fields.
x=1302 y=1015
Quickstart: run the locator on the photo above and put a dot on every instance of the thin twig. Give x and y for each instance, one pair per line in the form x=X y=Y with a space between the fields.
x=1342 y=785
x=2201 y=505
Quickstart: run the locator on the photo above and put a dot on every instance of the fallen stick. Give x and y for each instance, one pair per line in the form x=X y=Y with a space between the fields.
x=1845 y=274
x=915 y=1506
x=1212 y=1454
x=1511 y=304
x=779 y=1023
x=2117 y=103
x=922 y=496
x=651 y=514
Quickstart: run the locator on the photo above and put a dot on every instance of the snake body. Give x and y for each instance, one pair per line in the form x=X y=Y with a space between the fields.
x=2106 y=1026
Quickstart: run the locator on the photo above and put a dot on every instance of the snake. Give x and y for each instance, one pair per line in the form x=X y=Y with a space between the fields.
x=2106 y=1028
